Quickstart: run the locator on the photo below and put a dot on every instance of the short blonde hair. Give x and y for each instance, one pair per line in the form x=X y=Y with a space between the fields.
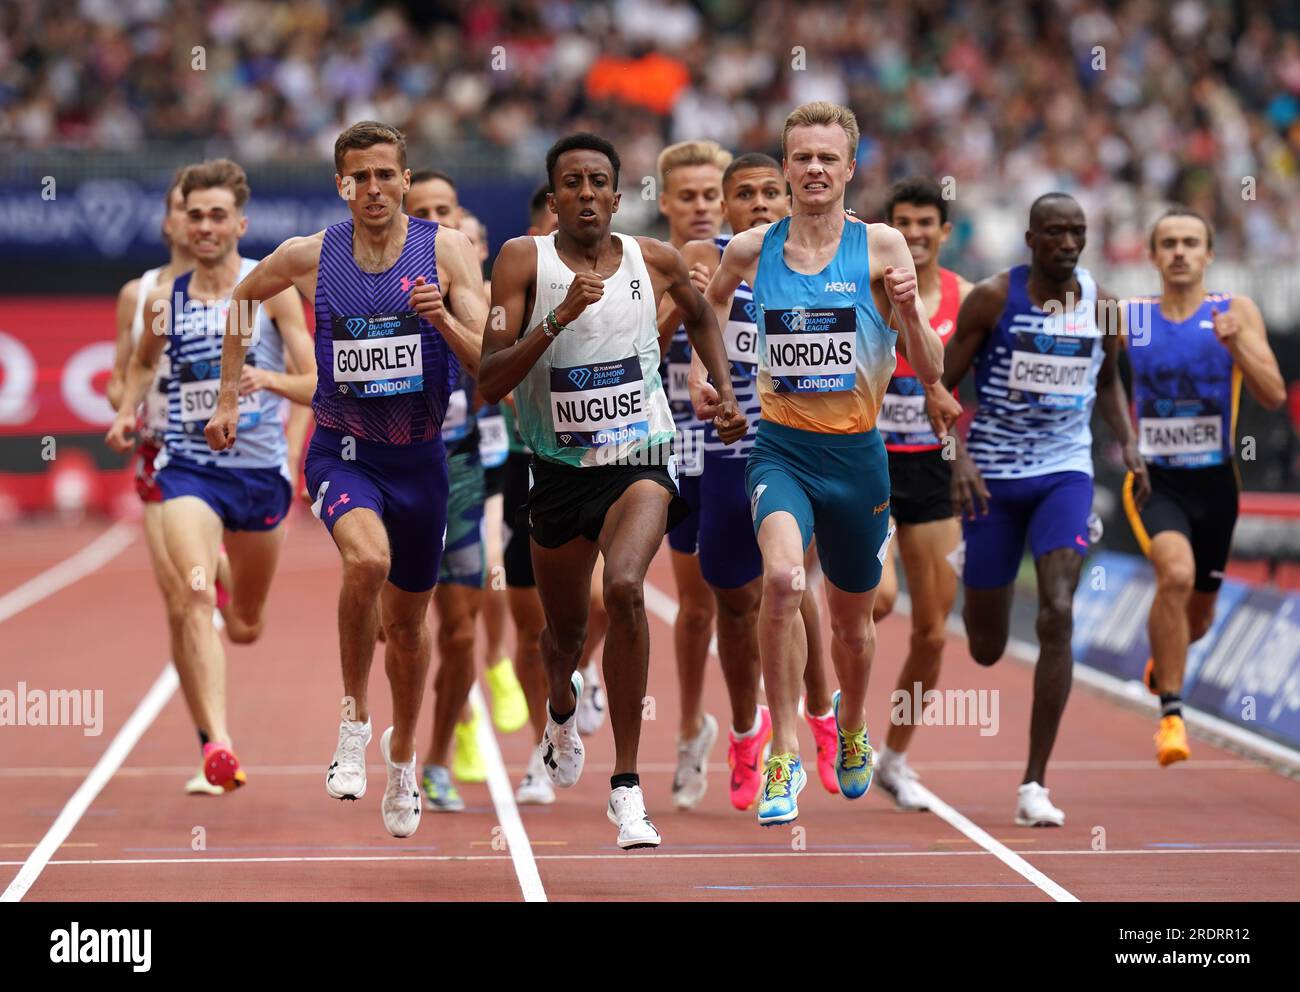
x=685 y=154
x=219 y=173
x=823 y=112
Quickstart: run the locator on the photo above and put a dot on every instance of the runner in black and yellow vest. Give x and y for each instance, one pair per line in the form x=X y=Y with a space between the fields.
x=1190 y=351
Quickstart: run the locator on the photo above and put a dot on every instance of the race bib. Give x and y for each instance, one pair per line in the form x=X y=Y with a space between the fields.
x=600 y=404
x=1052 y=370
x=903 y=413
x=812 y=351
x=741 y=339
x=377 y=355
x=493 y=445
x=455 y=422
x=1181 y=433
x=679 y=390
x=200 y=385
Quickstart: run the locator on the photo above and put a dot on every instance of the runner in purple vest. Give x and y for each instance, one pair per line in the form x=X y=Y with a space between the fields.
x=399 y=311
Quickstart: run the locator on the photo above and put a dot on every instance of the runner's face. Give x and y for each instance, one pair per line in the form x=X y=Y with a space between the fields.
x=374 y=183
x=1058 y=239
x=919 y=224
x=584 y=194
x=1181 y=253
x=692 y=202
x=214 y=224
x=544 y=223
x=818 y=164
x=434 y=199
x=754 y=197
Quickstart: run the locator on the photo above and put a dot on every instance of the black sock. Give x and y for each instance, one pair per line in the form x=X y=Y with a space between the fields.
x=1171 y=704
x=203 y=739
x=626 y=780
x=560 y=717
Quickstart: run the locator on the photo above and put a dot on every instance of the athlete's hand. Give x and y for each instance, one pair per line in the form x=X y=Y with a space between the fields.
x=700 y=276
x=969 y=493
x=426 y=300
x=1136 y=464
x=1226 y=327
x=900 y=285
x=942 y=408
x=251 y=379
x=732 y=425
x=704 y=398
x=220 y=431
x=121 y=436
x=586 y=289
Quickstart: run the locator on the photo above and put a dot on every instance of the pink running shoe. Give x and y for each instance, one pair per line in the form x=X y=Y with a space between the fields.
x=828 y=742
x=221 y=766
x=745 y=756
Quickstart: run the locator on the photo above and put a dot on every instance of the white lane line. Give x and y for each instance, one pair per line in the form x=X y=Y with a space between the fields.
x=94 y=555
x=503 y=798
x=150 y=706
x=656 y=602
x=650 y=856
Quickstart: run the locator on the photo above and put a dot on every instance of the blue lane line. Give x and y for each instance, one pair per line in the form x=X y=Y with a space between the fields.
x=1184 y=845
x=779 y=847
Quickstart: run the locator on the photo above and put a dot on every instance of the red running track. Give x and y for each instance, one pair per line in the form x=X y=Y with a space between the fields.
x=1219 y=827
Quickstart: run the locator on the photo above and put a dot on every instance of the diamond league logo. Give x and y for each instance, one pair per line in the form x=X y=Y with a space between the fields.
x=355 y=326
x=751 y=312
x=566 y=438
x=1043 y=342
x=200 y=369
x=111 y=213
x=792 y=319
x=909 y=386
x=1164 y=407
x=580 y=377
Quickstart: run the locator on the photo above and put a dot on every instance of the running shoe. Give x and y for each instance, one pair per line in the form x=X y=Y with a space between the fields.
x=401 y=805
x=1171 y=741
x=692 y=778
x=591 y=708
x=784 y=779
x=899 y=779
x=346 y=776
x=536 y=788
x=1034 y=809
x=509 y=707
x=467 y=763
x=854 y=762
x=824 y=735
x=561 y=747
x=200 y=786
x=627 y=812
x=221 y=766
x=440 y=794
x=744 y=756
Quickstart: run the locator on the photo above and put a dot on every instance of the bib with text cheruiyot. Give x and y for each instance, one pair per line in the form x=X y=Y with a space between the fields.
x=377 y=355
x=812 y=350
x=1181 y=433
x=200 y=385
x=599 y=404
x=1052 y=370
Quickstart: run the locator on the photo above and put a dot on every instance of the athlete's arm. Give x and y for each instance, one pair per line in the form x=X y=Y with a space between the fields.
x=977 y=317
x=293 y=264
x=1112 y=400
x=922 y=346
x=738 y=264
x=701 y=323
x=702 y=258
x=143 y=367
x=126 y=300
x=456 y=306
x=509 y=353
x=1241 y=331
x=299 y=383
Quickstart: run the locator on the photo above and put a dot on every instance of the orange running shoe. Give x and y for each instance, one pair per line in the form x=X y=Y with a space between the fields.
x=1149 y=676
x=827 y=739
x=221 y=766
x=1171 y=741
x=745 y=756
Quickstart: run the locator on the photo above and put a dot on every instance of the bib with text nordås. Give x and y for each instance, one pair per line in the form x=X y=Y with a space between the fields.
x=812 y=350
x=1052 y=370
x=377 y=355
x=1182 y=433
x=600 y=404
x=200 y=385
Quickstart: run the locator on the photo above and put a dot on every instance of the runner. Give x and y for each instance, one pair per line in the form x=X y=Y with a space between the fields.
x=690 y=198
x=754 y=193
x=818 y=464
x=593 y=410
x=242 y=495
x=920 y=477
x=1190 y=351
x=1025 y=471
x=398 y=301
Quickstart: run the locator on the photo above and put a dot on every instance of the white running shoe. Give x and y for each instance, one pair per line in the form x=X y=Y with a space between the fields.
x=561 y=748
x=899 y=779
x=591 y=708
x=200 y=786
x=346 y=776
x=1034 y=809
x=692 y=778
x=401 y=805
x=627 y=812
x=536 y=788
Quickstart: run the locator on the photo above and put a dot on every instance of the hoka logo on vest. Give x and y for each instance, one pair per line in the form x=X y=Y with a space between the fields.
x=841 y=287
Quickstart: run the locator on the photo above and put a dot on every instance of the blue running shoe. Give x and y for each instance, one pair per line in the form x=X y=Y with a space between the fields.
x=854 y=759
x=784 y=779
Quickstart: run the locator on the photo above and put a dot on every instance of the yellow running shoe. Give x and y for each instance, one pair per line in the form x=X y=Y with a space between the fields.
x=467 y=763
x=1171 y=741
x=509 y=706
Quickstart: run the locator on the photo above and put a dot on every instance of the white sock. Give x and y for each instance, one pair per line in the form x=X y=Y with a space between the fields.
x=886 y=756
x=758 y=722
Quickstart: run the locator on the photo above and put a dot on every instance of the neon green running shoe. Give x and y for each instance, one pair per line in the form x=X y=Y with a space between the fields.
x=467 y=763
x=509 y=705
